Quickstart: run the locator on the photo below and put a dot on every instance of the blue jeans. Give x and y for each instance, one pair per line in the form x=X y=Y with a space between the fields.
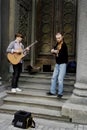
x=58 y=74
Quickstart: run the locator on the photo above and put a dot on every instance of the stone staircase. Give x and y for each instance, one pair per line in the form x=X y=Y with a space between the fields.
x=33 y=98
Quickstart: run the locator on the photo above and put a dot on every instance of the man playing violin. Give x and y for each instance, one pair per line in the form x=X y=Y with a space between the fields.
x=16 y=46
x=61 y=55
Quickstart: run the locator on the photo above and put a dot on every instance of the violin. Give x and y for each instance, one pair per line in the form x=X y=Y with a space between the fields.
x=55 y=52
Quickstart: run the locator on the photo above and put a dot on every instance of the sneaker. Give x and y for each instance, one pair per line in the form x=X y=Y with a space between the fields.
x=18 y=89
x=13 y=90
x=50 y=94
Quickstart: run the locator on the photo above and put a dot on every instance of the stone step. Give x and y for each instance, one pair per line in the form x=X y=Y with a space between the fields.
x=34 y=99
x=47 y=75
x=37 y=102
x=40 y=94
x=36 y=112
x=37 y=87
x=2 y=88
x=34 y=102
x=44 y=79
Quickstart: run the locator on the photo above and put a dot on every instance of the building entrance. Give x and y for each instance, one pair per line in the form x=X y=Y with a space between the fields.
x=55 y=16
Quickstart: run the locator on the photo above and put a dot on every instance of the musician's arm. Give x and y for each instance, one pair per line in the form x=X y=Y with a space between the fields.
x=10 y=48
x=53 y=51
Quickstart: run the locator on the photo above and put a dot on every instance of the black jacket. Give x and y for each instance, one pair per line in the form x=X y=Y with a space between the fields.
x=62 y=55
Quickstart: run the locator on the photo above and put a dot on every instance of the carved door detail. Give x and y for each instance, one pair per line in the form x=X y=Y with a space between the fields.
x=69 y=25
x=45 y=25
x=54 y=16
x=24 y=26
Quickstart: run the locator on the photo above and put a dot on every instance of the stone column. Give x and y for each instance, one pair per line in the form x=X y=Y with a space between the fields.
x=13 y=22
x=0 y=35
x=33 y=31
x=0 y=41
x=81 y=75
x=76 y=106
x=4 y=37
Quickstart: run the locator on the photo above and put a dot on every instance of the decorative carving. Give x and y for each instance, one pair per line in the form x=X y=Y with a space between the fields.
x=46 y=23
x=25 y=18
x=26 y=4
x=68 y=20
x=54 y=16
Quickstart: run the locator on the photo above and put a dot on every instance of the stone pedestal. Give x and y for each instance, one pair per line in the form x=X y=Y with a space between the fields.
x=76 y=106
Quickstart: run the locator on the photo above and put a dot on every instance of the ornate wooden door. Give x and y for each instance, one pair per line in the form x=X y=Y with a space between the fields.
x=55 y=16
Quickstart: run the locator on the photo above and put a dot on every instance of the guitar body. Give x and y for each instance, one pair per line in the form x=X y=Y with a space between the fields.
x=15 y=58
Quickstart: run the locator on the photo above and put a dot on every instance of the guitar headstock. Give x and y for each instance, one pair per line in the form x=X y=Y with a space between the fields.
x=35 y=41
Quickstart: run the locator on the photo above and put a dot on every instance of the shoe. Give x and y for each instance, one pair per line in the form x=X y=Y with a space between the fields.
x=60 y=96
x=50 y=94
x=13 y=90
x=18 y=89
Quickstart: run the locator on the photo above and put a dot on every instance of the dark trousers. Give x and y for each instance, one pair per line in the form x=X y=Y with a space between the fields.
x=16 y=74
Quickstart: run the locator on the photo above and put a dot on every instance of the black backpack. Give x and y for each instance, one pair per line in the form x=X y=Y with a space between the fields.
x=23 y=119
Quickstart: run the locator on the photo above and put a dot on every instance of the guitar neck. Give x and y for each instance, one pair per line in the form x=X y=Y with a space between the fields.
x=31 y=45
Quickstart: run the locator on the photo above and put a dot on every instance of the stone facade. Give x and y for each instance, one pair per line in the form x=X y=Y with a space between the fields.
x=4 y=36
x=22 y=16
x=76 y=106
x=16 y=15
x=0 y=35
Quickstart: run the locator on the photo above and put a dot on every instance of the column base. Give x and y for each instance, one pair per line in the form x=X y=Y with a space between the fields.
x=76 y=109
x=80 y=89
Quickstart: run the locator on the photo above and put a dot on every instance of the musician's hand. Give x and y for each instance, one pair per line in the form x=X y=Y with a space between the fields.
x=27 y=48
x=54 y=51
x=17 y=51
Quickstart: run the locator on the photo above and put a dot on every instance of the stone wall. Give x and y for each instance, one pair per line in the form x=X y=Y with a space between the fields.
x=0 y=35
x=15 y=17
x=4 y=35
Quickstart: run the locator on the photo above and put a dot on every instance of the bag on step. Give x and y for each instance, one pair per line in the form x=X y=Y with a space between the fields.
x=23 y=119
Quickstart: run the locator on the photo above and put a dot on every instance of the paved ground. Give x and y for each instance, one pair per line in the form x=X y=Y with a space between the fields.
x=41 y=124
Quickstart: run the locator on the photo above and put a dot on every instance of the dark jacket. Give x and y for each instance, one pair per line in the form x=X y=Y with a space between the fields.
x=62 y=55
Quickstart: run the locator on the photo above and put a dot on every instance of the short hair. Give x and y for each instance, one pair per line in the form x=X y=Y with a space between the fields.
x=18 y=35
x=59 y=33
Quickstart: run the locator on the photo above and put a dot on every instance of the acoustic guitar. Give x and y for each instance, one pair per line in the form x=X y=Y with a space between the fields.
x=14 y=58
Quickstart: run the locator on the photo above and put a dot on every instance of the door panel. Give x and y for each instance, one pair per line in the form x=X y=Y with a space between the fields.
x=69 y=25
x=56 y=16
x=45 y=25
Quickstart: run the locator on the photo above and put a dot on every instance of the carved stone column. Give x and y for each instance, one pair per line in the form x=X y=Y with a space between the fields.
x=33 y=31
x=11 y=24
x=0 y=35
x=12 y=20
x=0 y=42
x=76 y=106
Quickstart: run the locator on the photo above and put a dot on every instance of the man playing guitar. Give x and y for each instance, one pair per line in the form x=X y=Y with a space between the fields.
x=16 y=46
